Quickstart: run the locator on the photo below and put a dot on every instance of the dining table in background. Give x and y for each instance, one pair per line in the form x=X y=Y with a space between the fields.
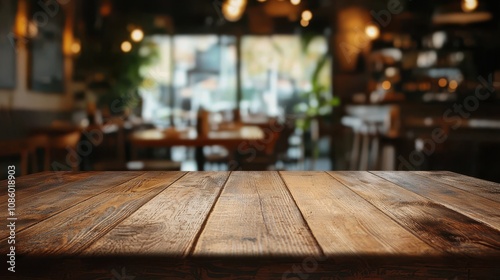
x=230 y=137
x=80 y=141
x=253 y=225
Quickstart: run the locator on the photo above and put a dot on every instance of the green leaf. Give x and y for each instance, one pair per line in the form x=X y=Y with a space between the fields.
x=317 y=70
x=335 y=101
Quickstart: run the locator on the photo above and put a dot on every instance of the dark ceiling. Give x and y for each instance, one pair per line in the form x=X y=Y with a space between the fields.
x=201 y=16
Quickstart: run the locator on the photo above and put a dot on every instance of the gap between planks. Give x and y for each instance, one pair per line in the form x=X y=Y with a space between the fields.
x=202 y=227
x=257 y=193
x=22 y=229
x=466 y=248
x=139 y=207
x=472 y=206
x=168 y=224
x=374 y=232
x=38 y=243
x=323 y=255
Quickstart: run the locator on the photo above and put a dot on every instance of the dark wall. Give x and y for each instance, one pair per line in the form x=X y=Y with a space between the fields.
x=18 y=123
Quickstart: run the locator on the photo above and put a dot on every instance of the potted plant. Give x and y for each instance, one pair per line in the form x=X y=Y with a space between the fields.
x=114 y=76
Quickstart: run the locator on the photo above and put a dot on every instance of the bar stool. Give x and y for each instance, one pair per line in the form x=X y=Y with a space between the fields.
x=366 y=147
x=357 y=126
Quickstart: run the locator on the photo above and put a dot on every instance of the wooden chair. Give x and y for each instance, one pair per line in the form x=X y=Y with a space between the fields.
x=216 y=156
x=265 y=154
x=120 y=163
x=283 y=145
x=34 y=145
x=15 y=149
x=63 y=149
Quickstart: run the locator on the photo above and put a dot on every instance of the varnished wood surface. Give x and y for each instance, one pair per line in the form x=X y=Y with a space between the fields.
x=254 y=225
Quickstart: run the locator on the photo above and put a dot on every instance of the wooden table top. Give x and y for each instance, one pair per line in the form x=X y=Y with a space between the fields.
x=189 y=137
x=341 y=215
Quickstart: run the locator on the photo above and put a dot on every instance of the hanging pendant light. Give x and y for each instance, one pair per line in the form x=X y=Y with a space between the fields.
x=469 y=5
x=233 y=9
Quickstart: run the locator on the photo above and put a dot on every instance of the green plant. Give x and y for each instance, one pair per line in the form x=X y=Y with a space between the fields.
x=127 y=75
x=115 y=75
x=318 y=102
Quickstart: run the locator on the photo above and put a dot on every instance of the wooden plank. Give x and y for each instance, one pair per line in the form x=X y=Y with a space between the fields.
x=35 y=206
x=29 y=181
x=471 y=205
x=256 y=216
x=435 y=224
x=32 y=185
x=346 y=224
x=71 y=231
x=169 y=223
x=487 y=189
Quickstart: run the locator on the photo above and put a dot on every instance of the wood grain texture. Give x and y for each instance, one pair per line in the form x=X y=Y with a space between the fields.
x=486 y=189
x=169 y=223
x=255 y=225
x=29 y=181
x=438 y=226
x=33 y=185
x=71 y=231
x=38 y=203
x=255 y=216
x=471 y=205
x=346 y=224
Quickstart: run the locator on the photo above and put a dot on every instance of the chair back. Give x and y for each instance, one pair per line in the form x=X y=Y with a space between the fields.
x=16 y=148
x=34 y=144
x=61 y=144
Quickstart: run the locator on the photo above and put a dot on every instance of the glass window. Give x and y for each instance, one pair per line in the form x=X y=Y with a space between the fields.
x=277 y=71
x=156 y=88
x=200 y=70
x=205 y=72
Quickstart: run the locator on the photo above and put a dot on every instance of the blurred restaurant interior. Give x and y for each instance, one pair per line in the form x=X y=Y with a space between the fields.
x=250 y=85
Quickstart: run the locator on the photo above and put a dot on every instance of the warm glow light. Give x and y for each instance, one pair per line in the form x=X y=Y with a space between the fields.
x=307 y=15
x=469 y=5
x=295 y=2
x=372 y=31
x=391 y=72
x=21 y=28
x=76 y=47
x=233 y=9
x=453 y=85
x=304 y=22
x=106 y=8
x=126 y=46
x=443 y=82
x=137 y=35
x=386 y=85
x=32 y=29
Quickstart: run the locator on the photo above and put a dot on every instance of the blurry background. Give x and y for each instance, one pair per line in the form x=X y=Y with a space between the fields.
x=360 y=85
